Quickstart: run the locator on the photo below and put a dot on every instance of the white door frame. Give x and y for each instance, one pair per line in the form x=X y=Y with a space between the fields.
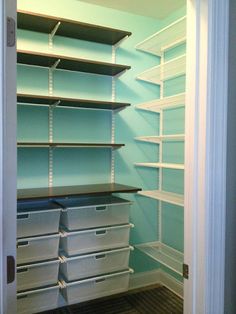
x=205 y=155
x=7 y=158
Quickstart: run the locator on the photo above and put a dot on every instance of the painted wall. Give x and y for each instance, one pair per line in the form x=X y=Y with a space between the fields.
x=84 y=166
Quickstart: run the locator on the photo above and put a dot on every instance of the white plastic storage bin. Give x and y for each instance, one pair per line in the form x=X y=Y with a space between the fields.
x=37 y=249
x=37 y=218
x=39 y=300
x=97 y=287
x=37 y=275
x=94 y=212
x=92 y=240
x=90 y=265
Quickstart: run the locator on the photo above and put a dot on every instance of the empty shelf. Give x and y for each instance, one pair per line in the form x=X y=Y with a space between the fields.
x=69 y=102
x=69 y=145
x=75 y=190
x=166 y=71
x=167 y=37
x=69 y=28
x=69 y=63
x=172 y=198
x=164 y=254
x=163 y=103
x=158 y=139
x=160 y=165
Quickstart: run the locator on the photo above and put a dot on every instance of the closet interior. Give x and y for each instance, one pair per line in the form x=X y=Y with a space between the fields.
x=100 y=108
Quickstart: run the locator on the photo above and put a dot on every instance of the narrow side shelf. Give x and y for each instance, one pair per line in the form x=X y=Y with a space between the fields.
x=171 y=35
x=68 y=63
x=166 y=71
x=160 y=165
x=75 y=190
x=156 y=105
x=69 y=145
x=172 y=198
x=69 y=28
x=164 y=254
x=69 y=102
x=157 y=139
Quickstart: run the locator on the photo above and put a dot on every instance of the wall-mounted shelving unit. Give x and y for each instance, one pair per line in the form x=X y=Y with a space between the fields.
x=69 y=145
x=165 y=255
x=160 y=165
x=63 y=102
x=75 y=190
x=114 y=233
x=163 y=196
x=157 y=139
x=69 y=28
x=68 y=63
x=163 y=103
x=165 y=71
x=168 y=38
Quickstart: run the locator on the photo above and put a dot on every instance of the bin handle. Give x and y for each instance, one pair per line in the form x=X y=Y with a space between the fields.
x=22 y=270
x=99 y=280
x=100 y=256
x=101 y=208
x=100 y=232
x=24 y=216
x=22 y=296
x=22 y=243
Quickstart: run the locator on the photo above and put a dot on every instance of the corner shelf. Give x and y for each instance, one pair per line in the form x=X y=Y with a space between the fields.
x=157 y=105
x=69 y=145
x=170 y=36
x=68 y=63
x=75 y=190
x=69 y=28
x=160 y=165
x=168 y=197
x=162 y=138
x=164 y=254
x=166 y=71
x=64 y=102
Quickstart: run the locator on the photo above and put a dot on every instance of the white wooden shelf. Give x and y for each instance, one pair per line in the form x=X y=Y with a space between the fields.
x=162 y=138
x=166 y=38
x=168 y=70
x=157 y=105
x=164 y=254
x=172 y=198
x=160 y=165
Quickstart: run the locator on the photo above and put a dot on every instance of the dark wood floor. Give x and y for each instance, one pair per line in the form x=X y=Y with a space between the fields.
x=157 y=300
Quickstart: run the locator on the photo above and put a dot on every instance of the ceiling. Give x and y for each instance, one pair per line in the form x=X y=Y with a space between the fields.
x=158 y=9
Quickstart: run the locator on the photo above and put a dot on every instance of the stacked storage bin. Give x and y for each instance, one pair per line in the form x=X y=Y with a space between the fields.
x=94 y=247
x=37 y=255
x=91 y=261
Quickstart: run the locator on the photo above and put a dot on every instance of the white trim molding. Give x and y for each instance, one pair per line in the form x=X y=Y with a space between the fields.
x=8 y=156
x=205 y=155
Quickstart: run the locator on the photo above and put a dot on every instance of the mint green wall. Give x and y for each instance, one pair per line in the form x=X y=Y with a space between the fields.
x=84 y=166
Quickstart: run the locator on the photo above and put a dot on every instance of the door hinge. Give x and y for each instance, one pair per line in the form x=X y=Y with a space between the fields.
x=11 y=32
x=10 y=269
x=185 y=271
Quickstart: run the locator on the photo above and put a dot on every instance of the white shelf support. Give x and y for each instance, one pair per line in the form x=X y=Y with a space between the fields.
x=113 y=98
x=52 y=34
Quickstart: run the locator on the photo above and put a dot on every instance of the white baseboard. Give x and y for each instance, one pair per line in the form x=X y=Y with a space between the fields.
x=148 y=278
x=144 y=279
x=172 y=284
